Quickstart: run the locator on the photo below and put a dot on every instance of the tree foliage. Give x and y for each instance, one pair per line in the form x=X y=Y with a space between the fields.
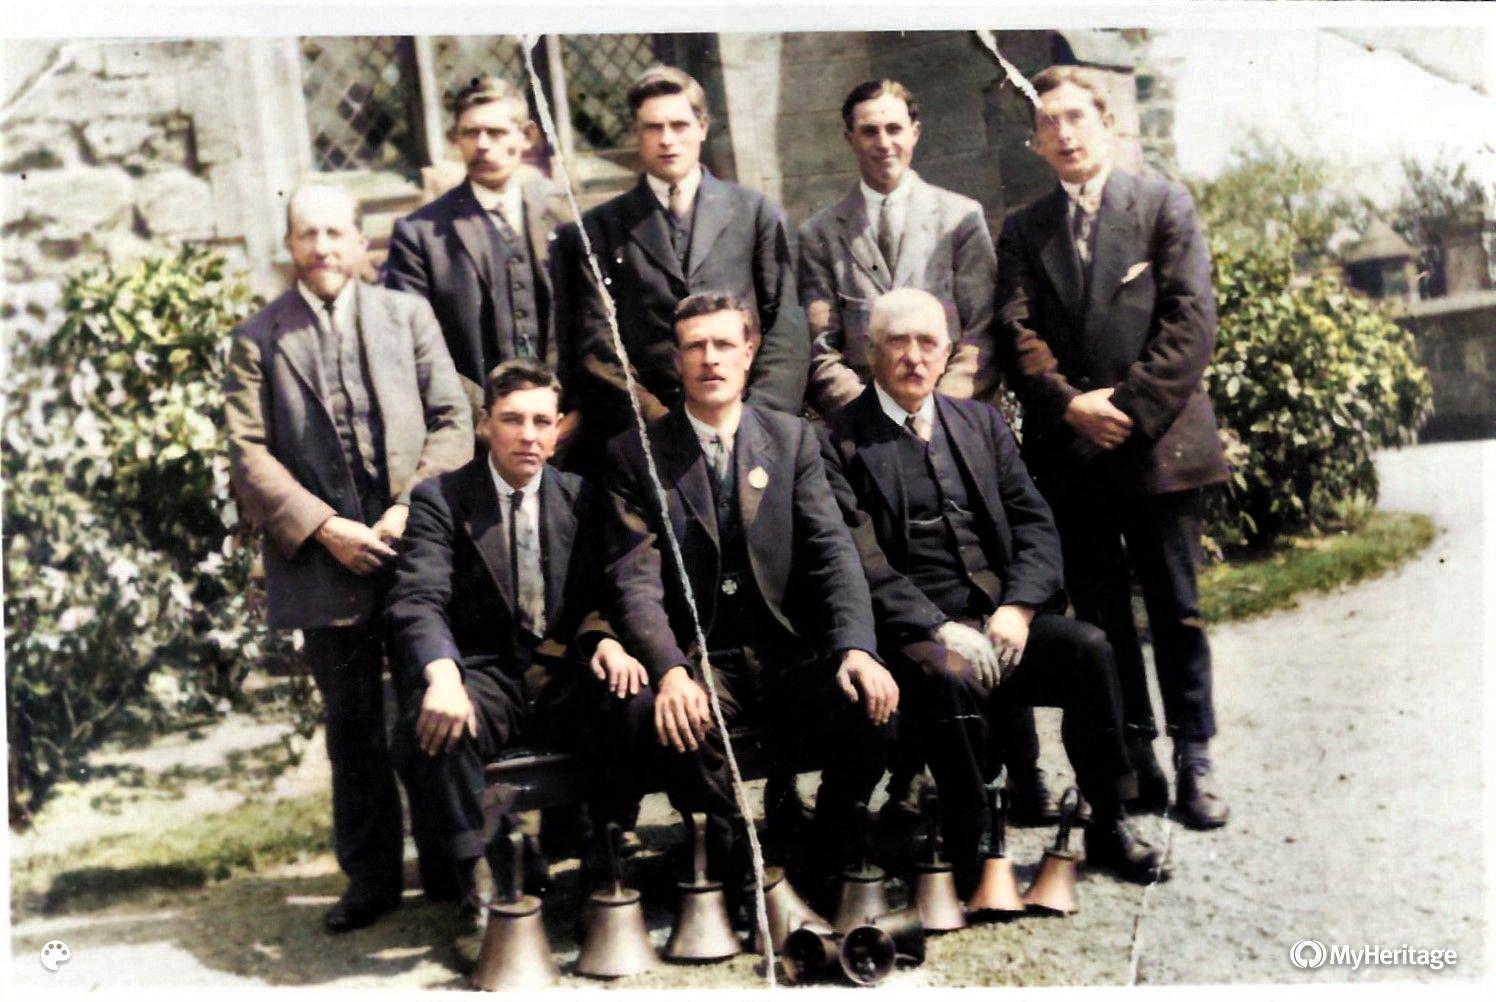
x=1436 y=195
x=1309 y=378
x=128 y=598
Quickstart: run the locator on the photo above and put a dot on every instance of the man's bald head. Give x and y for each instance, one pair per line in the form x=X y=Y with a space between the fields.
x=324 y=237
x=900 y=304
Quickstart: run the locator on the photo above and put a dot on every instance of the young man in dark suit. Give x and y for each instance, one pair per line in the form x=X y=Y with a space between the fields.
x=480 y=253
x=1106 y=321
x=680 y=230
x=963 y=561
x=499 y=558
x=782 y=601
x=340 y=399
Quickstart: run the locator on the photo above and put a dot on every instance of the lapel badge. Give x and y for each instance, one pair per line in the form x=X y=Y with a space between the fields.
x=758 y=478
x=729 y=586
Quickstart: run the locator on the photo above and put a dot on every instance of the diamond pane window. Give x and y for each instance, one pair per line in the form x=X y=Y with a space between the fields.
x=599 y=69
x=357 y=93
x=458 y=59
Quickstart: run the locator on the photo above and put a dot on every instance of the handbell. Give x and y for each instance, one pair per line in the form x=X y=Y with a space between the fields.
x=869 y=952
x=997 y=889
x=935 y=885
x=516 y=954
x=863 y=896
x=616 y=943
x=1053 y=890
x=809 y=955
x=787 y=911
x=703 y=929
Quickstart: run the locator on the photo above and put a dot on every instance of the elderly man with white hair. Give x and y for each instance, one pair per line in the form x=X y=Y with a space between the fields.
x=963 y=562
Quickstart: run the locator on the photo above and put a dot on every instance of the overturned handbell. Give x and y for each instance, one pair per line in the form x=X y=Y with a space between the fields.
x=1053 y=890
x=869 y=952
x=703 y=929
x=935 y=883
x=810 y=955
x=997 y=894
x=516 y=953
x=863 y=895
x=616 y=943
x=787 y=911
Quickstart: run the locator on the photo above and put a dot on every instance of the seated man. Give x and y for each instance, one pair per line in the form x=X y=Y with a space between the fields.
x=783 y=605
x=963 y=561
x=498 y=556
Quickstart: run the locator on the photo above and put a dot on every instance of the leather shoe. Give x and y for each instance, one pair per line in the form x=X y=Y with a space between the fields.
x=1197 y=805
x=352 y=912
x=1116 y=846
x=1153 y=785
x=1031 y=803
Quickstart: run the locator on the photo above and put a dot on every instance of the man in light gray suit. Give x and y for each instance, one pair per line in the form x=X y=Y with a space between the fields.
x=339 y=398
x=893 y=230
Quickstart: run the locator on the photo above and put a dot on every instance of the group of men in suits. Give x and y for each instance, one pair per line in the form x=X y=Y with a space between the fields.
x=896 y=569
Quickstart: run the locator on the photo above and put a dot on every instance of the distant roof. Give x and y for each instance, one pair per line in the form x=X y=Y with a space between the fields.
x=1379 y=243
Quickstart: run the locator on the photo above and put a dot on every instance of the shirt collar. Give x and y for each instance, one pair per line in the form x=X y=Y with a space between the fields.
x=508 y=201
x=531 y=489
x=875 y=198
x=688 y=186
x=705 y=432
x=898 y=415
x=1088 y=193
x=341 y=303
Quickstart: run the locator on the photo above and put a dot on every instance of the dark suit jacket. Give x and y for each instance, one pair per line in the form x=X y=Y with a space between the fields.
x=287 y=465
x=802 y=558
x=1013 y=522
x=1146 y=328
x=738 y=245
x=453 y=590
x=945 y=249
x=443 y=252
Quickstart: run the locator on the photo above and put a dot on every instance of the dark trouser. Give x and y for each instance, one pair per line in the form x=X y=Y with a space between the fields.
x=804 y=717
x=347 y=663
x=1067 y=664
x=1162 y=541
x=570 y=713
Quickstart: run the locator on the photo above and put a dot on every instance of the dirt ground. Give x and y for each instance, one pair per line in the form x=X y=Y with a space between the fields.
x=1350 y=749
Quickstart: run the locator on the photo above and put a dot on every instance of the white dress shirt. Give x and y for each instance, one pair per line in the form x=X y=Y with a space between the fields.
x=687 y=185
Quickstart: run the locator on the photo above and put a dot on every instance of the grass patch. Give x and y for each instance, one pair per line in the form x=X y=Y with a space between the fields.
x=1252 y=584
x=246 y=838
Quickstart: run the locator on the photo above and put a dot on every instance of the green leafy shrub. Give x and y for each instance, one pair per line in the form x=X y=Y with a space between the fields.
x=128 y=597
x=1308 y=380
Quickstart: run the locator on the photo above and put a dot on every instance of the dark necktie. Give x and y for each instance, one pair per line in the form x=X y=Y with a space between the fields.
x=524 y=565
x=716 y=457
x=919 y=427
x=1081 y=223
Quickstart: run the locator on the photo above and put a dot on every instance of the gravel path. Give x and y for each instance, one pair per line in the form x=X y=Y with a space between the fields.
x=1350 y=750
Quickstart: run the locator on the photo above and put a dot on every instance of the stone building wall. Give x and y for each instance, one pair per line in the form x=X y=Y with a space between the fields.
x=1456 y=338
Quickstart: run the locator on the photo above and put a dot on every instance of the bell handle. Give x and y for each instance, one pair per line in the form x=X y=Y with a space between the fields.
x=929 y=805
x=516 y=889
x=698 y=826
x=860 y=833
x=615 y=856
x=1000 y=823
x=1069 y=808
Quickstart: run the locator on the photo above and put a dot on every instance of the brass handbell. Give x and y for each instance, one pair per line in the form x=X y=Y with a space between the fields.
x=1053 y=890
x=997 y=894
x=515 y=953
x=869 y=952
x=809 y=955
x=703 y=929
x=787 y=911
x=616 y=943
x=935 y=885
x=862 y=890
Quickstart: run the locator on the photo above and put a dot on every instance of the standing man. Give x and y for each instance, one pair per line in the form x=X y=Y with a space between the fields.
x=782 y=600
x=480 y=252
x=679 y=231
x=893 y=230
x=964 y=562
x=498 y=557
x=339 y=399
x=1107 y=320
